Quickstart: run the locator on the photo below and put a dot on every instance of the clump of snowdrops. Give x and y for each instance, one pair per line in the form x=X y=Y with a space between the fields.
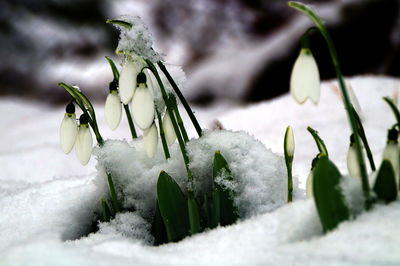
x=323 y=182
x=150 y=103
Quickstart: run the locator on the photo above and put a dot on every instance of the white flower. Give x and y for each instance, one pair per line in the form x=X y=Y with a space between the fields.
x=84 y=141
x=352 y=162
x=113 y=110
x=309 y=185
x=127 y=81
x=150 y=139
x=168 y=128
x=289 y=142
x=305 y=81
x=142 y=107
x=391 y=152
x=68 y=132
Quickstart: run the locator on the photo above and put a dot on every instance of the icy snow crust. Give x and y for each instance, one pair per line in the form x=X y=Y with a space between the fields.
x=47 y=198
x=259 y=186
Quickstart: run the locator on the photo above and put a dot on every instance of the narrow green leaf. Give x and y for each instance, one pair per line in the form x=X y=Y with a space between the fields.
x=364 y=139
x=320 y=143
x=119 y=22
x=394 y=108
x=328 y=196
x=228 y=211
x=158 y=227
x=114 y=200
x=385 y=185
x=173 y=207
x=113 y=68
x=106 y=212
x=215 y=209
x=194 y=216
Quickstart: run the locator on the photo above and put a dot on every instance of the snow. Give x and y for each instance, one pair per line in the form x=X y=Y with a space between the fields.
x=48 y=200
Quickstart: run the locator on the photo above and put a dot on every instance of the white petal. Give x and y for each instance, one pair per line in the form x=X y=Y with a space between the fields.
x=353 y=98
x=127 y=81
x=151 y=82
x=168 y=129
x=289 y=142
x=391 y=153
x=309 y=185
x=113 y=110
x=83 y=145
x=68 y=132
x=305 y=81
x=150 y=139
x=143 y=107
x=352 y=162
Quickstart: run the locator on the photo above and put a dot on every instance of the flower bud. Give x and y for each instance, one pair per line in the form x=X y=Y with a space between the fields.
x=391 y=152
x=352 y=161
x=68 y=130
x=113 y=110
x=168 y=129
x=289 y=143
x=84 y=141
x=305 y=81
x=150 y=139
x=142 y=107
x=127 y=81
x=309 y=186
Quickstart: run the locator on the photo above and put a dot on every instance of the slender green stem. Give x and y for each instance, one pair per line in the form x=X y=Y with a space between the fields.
x=162 y=136
x=106 y=212
x=114 y=200
x=346 y=100
x=173 y=120
x=364 y=139
x=83 y=101
x=320 y=143
x=119 y=23
x=178 y=117
x=181 y=98
x=394 y=108
x=130 y=121
x=113 y=68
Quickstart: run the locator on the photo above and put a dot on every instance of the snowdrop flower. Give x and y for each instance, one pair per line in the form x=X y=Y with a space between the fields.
x=84 y=141
x=68 y=129
x=113 y=108
x=289 y=142
x=391 y=152
x=304 y=81
x=150 y=139
x=352 y=161
x=127 y=81
x=168 y=129
x=309 y=182
x=142 y=106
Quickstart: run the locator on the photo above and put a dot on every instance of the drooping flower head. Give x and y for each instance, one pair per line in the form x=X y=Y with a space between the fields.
x=142 y=106
x=113 y=108
x=150 y=139
x=68 y=129
x=84 y=141
x=305 y=81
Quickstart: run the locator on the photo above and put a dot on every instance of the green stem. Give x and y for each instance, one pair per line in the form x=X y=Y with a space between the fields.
x=81 y=101
x=113 y=68
x=114 y=200
x=178 y=117
x=162 y=136
x=130 y=121
x=346 y=100
x=181 y=98
x=320 y=143
x=364 y=140
x=290 y=181
x=394 y=108
x=174 y=123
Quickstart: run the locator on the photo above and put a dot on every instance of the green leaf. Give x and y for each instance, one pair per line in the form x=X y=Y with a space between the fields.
x=114 y=200
x=215 y=209
x=228 y=211
x=320 y=143
x=328 y=196
x=158 y=228
x=106 y=212
x=173 y=207
x=394 y=108
x=194 y=216
x=385 y=185
x=119 y=22
x=113 y=68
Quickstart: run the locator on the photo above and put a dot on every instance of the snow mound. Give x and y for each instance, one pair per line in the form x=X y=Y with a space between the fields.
x=260 y=180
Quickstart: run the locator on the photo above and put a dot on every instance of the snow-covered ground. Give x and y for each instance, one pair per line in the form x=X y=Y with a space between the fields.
x=47 y=198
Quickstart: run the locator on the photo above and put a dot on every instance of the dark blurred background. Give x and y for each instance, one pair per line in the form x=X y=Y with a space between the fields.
x=241 y=50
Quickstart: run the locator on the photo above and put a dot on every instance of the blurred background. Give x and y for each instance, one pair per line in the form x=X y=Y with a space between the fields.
x=237 y=50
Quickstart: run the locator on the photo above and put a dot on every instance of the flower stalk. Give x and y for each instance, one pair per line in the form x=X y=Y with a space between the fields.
x=162 y=136
x=346 y=100
x=289 y=155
